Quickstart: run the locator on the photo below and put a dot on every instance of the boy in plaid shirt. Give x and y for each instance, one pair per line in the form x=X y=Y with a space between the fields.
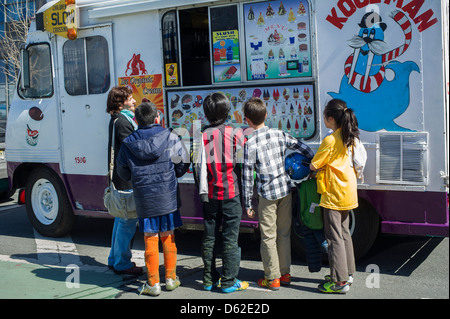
x=264 y=153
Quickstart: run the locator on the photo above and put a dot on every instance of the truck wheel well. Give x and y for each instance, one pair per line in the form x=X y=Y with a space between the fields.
x=22 y=172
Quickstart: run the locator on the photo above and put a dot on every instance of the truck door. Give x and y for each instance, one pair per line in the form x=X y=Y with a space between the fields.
x=85 y=75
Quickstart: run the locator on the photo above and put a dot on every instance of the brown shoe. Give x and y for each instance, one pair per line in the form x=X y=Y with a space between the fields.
x=134 y=271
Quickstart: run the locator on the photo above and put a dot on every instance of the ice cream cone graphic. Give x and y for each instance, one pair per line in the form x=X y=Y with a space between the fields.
x=34 y=125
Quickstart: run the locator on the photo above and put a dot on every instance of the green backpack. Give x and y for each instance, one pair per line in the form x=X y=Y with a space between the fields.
x=310 y=211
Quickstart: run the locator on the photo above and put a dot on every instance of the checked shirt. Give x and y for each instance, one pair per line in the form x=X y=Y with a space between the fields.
x=264 y=153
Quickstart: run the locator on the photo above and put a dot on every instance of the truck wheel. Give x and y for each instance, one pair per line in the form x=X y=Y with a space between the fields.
x=47 y=204
x=364 y=225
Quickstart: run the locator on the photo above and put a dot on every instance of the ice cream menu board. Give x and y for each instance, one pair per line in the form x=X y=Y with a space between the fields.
x=225 y=43
x=226 y=56
x=277 y=39
x=289 y=107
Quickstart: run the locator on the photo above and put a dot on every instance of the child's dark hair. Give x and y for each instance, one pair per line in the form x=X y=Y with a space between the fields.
x=146 y=113
x=345 y=119
x=255 y=110
x=216 y=107
x=116 y=98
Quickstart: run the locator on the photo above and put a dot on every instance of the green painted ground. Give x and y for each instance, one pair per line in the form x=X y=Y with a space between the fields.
x=30 y=281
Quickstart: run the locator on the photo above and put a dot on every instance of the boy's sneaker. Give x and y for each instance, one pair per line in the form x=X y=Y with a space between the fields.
x=238 y=286
x=349 y=281
x=334 y=288
x=269 y=284
x=172 y=284
x=285 y=280
x=211 y=287
x=146 y=289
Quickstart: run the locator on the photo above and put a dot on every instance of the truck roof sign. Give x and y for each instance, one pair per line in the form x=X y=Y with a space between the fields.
x=60 y=18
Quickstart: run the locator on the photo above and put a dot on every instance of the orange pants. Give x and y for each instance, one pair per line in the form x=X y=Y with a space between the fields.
x=152 y=257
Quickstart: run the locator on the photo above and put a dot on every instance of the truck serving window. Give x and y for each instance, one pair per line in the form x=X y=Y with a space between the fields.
x=194 y=39
x=86 y=56
x=40 y=72
x=197 y=27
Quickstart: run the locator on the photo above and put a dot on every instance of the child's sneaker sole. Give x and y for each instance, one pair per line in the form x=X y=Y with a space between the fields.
x=146 y=289
x=349 y=281
x=285 y=280
x=172 y=284
x=238 y=286
x=213 y=286
x=269 y=284
x=333 y=288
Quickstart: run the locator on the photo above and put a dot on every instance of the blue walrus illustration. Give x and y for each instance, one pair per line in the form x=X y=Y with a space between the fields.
x=375 y=100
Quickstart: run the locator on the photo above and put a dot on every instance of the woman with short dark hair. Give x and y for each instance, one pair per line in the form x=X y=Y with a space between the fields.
x=119 y=259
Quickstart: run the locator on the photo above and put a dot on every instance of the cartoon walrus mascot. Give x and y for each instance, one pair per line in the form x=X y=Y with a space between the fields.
x=376 y=100
x=369 y=45
x=365 y=67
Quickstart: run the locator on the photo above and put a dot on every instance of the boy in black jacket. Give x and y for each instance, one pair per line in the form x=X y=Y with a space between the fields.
x=153 y=158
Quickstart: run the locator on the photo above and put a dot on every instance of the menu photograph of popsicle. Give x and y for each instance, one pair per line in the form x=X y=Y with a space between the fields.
x=289 y=108
x=277 y=36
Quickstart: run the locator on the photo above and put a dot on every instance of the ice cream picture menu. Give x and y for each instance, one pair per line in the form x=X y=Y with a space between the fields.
x=290 y=108
x=277 y=39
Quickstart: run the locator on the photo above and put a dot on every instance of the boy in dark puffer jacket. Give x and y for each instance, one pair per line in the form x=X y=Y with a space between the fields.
x=153 y=158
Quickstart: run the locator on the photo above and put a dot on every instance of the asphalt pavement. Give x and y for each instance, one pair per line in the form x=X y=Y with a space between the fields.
x=74 y=267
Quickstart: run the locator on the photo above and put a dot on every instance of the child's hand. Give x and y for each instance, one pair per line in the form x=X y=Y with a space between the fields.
x=250 y=213
x=312 y=174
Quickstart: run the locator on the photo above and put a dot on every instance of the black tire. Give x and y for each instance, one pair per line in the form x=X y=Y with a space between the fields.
x=7 y=194
x=364 y=226
x=47 y=204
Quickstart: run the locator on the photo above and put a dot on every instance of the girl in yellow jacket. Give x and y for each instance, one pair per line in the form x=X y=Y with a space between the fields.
x=336 y=182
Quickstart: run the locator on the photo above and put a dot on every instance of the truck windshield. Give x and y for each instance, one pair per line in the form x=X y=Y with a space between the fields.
x=41 y=83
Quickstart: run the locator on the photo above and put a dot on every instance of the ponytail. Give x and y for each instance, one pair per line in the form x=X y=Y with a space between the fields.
x=345 y=119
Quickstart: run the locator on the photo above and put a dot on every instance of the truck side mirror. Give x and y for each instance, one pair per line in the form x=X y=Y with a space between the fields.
x=25 y=69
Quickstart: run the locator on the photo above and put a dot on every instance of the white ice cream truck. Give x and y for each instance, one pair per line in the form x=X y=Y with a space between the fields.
x=387 y=59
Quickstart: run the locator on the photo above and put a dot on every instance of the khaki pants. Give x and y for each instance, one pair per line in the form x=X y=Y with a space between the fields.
x=340 y=246
x=275 y=218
